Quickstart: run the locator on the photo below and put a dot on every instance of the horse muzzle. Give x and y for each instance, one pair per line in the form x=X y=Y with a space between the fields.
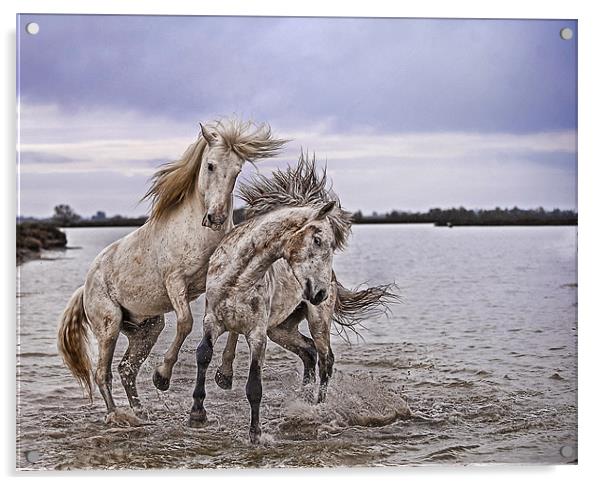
x=314 y=298
x=213 y=222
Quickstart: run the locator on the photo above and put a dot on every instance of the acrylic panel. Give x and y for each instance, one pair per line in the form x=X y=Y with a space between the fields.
x=382 y=212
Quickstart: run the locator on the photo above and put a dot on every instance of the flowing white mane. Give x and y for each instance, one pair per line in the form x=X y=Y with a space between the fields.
x=176 y=181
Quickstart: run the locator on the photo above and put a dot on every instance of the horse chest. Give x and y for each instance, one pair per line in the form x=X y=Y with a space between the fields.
x=195 y=262
x=240 y=311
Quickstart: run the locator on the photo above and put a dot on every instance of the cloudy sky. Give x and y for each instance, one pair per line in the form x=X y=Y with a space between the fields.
x=408 y=114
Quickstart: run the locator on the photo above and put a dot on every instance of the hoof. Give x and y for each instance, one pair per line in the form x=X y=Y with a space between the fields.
x=160 y=382
x=197 y=419
x=255 y=437
x=222 y=380
x=122 y=418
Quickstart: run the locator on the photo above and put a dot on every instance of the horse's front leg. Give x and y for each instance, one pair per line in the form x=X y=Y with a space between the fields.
x=256 y=339
x=287 y=335
x=178 y=295
x=204 y=352
x=325 y=357
x=319 y=320
x=224 y=373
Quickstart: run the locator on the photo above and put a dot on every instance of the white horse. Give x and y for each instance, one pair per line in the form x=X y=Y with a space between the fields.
x=161 y=266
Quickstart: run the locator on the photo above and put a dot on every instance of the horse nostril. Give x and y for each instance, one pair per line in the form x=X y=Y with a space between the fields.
x=320 y=296
x=210 y=218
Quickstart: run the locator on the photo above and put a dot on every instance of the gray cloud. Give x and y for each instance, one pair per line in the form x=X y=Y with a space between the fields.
x=31 y=157
x=375 y=74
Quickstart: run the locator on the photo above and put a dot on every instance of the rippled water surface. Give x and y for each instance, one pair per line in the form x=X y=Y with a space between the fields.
x=478 y=364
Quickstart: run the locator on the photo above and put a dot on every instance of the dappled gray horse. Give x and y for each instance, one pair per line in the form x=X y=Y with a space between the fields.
x=272 y=271
x=239 y=293
x=298 y=185
x=162 y=265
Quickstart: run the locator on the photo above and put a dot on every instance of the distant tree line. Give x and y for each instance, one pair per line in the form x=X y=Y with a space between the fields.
x=469 y=217
x=65 y=216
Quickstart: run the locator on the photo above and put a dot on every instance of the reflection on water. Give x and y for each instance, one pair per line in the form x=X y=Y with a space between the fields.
x=482 y=351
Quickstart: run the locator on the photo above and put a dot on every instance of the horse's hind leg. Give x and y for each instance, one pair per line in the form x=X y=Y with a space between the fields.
x=105 y=320
x=142 y=339
x=287 y=335
x=224 y=373
x=204 y=352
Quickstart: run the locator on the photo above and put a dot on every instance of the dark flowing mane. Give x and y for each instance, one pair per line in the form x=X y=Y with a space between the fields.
x=297 y=186
x=177 y=181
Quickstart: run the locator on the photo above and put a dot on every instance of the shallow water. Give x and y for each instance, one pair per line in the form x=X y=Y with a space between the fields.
x=478 y=364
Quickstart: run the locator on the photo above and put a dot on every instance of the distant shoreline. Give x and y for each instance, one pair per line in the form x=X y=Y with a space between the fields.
x=476 y=224
x=439 y=217
x=364 y=222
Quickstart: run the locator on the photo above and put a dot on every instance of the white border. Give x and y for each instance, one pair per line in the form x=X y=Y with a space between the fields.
x=590 y=80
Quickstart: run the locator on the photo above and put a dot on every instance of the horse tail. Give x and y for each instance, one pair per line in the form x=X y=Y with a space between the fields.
x=73 y=340
x=356 y=305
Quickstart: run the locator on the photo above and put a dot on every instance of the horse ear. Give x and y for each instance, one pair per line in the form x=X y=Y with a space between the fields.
x=325 y=210
x=210 y=136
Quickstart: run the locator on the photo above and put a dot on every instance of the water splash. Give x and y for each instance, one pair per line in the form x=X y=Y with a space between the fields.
x=352 y=400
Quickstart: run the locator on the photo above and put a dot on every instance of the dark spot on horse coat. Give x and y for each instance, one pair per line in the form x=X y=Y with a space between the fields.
x=295 y=246
x=254 y=304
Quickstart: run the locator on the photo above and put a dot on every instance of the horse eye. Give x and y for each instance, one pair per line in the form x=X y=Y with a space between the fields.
x=210 y=167
x=317 y=241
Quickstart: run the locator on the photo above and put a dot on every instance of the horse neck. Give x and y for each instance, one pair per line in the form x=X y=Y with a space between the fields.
x=271 y=234
x=186 y=224
x=229 y=224
x=195 y=208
